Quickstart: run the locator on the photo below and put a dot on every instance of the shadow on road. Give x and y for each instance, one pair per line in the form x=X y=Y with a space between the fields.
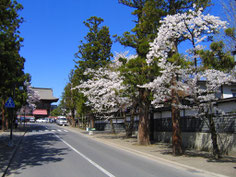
x=36 y=150
x=5 y=150
x=166 y=149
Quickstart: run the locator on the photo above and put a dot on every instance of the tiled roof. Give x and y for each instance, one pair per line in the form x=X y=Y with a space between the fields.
x=45 y=93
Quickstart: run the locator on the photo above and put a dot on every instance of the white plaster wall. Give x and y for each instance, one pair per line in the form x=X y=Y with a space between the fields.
x=157 y=115
x=190 y=112
x=227 y=91
x=120 y=121
x=136 y=118
x=166 y=114
x=182 y=113
x=227 y=107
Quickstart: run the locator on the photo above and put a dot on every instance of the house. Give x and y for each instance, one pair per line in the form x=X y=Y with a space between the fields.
x=195 y=131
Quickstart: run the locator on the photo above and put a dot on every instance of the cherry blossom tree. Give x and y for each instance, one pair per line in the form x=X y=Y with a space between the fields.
x=203 y=99
x=102 y=90
x=32 y=96
x=195 y=27
x=192 y=25
x=105 y=90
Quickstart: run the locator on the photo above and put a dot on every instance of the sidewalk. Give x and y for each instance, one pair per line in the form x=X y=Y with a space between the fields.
x=193 y=160
x=6 y=152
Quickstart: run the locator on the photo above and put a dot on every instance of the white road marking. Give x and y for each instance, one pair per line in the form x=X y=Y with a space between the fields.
x=86 y=158
x=50 y=130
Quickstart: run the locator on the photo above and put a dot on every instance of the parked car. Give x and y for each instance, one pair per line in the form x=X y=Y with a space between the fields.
x=47 y=119
x=62 y=121
x=41 y=120
x=32 y=120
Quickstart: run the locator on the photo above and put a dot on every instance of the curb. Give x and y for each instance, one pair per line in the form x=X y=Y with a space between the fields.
x=14 y=152
x=152 y=157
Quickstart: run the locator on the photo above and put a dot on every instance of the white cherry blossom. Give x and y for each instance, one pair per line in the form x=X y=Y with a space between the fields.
x=104 y=90
x=192 y=25
x=32 y=96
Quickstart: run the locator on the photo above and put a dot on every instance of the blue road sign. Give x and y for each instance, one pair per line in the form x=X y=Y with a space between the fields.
x=10 y=103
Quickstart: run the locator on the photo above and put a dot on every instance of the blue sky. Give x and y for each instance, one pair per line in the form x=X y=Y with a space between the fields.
x=53 y=30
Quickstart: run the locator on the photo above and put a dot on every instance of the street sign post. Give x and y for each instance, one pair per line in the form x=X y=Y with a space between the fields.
x=10 y=104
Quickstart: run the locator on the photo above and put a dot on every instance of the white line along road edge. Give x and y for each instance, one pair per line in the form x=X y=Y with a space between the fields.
x=86 y=158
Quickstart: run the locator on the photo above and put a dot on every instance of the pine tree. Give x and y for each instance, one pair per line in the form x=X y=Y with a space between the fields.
x=216 y=58
x=11 y=63
x=94 y=52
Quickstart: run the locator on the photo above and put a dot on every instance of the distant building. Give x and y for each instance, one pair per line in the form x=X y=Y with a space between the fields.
x=43 y=107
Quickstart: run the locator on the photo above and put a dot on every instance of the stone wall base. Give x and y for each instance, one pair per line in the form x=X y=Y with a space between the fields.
x=201 y=141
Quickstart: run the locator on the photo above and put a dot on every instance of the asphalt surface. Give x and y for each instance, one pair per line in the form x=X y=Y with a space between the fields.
x=50 y=150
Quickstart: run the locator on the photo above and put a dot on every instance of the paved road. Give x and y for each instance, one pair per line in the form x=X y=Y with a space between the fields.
x=49 y=150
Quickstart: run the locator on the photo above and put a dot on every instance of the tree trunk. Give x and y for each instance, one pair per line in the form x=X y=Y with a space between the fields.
x=82 y=121
x=129 y=126
x=126 y=124
x=3 y=116
x=112 y=127
x=175 y=114
x=92 y=121
x=216 y=151
x=7 y=119
x=73 y=117
x=143 y=127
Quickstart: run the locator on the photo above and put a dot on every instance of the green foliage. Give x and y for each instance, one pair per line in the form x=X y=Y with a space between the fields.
x=179 y=60
x=149 y=14
x=216 y=58
x=11 y=63
x=96 y=50
x=57 y=112
x=136 y=72
x=81 y=107
x=231 y=32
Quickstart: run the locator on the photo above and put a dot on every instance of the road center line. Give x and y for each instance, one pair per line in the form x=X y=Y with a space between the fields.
x=86 y=158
